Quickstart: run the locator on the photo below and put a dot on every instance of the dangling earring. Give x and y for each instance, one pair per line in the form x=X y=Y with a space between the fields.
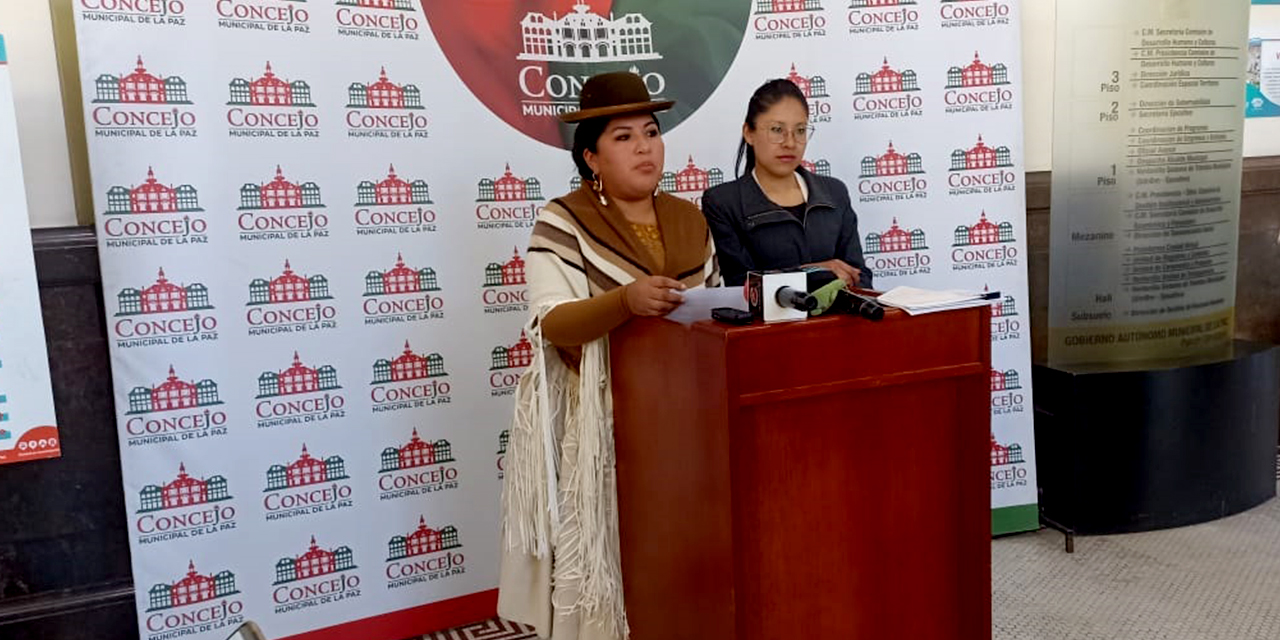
x=598 y=185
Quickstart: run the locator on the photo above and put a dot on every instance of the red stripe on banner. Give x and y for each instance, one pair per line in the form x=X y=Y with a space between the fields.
x=417 y=621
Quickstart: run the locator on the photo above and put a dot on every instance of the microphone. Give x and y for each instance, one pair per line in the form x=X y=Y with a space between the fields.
x=865 y=306
x=794 y=299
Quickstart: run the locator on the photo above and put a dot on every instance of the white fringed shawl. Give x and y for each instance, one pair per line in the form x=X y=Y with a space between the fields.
x=561 y=570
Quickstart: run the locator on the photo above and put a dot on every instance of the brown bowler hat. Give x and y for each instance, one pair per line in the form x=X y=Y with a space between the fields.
x=614 y=94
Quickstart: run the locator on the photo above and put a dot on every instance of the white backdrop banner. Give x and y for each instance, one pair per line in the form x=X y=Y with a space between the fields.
x=28 y=427
x=312 y=216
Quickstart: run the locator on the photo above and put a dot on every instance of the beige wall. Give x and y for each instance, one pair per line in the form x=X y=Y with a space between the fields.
x=27 y=28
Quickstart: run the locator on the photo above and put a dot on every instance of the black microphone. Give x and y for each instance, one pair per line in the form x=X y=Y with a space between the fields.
x=793 y=299
x=865 y=306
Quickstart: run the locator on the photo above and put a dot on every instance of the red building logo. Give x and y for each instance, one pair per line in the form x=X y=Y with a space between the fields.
x=898 y=252
x=505 y=288
x=424 y=554
x=323 y=574
x=393 y=206
x=892 y=176
x=977 y=74
x=298 y=395
x=411 y=288
x=506 y=365
x=416 y=468
x=162 y=296
x=280 y=193
x=194 y=506
x=183 y=491
x=140 y=87
x=974 y=13
x=508 y=188
x=1006 y=308
x=193 y=588
x=416 y=453
x=423 y=541
x=173 y=395
x=142 y=105
x=892 y=163
x=150 y=12
x=983 y=233
x=690 y=181
x=152 y=197
x=306 y=486
x=517 y=356
x=281 y=210
x=314 y=562
x=984 y=245
x=189 y=404
x=508 y=201
x=293 y=291
x=274 y=16
x=887 y=93
x=978 y=88
x=1005 y=455
x=206 y=599
x=400 y=279
x=383 y=94
x=886 y=80
x=408 y=381
x=381 y=19
x=305 y=471
x=981 y=157
x=811 y=87
x=271 y=107
x=1004 y=380
x=819 y=168
x=268 y=90
x=1005 y=393
x=408 y=366
x=895 y=240
x=297 y=379
x=392 y=190
x=814 y=89
x=982 y=170
x=1005 y=323
x=385 y=110
x=288 y=287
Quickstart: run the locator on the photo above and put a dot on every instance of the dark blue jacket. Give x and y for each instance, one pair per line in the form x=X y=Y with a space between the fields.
x=754 y=234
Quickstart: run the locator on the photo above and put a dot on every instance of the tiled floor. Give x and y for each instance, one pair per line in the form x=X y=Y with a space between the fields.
x=1216 y=581
x=492 y=630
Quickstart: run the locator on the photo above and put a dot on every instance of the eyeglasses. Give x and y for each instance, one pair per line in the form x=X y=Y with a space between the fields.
x=777 y=133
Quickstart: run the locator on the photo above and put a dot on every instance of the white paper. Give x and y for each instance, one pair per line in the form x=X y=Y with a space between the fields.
x=698 y=303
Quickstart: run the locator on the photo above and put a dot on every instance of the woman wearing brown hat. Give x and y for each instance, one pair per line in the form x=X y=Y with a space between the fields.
x=614 y=249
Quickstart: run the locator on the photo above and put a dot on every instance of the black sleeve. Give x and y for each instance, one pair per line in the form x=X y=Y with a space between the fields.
x=850 y=239
x=734 y=259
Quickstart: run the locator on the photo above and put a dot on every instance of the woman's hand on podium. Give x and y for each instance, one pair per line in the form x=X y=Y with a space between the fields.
x=654 y=296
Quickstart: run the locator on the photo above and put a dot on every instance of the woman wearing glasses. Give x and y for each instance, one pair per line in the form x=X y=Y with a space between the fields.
x=776 y=214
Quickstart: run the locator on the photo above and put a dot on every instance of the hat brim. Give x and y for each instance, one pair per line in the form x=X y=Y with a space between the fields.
x=617 y=110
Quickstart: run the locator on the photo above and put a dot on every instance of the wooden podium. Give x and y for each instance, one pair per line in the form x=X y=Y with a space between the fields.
x=823 y=479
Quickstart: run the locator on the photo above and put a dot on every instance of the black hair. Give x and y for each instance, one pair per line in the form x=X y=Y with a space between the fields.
x=586 y=137
x=769 y=94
